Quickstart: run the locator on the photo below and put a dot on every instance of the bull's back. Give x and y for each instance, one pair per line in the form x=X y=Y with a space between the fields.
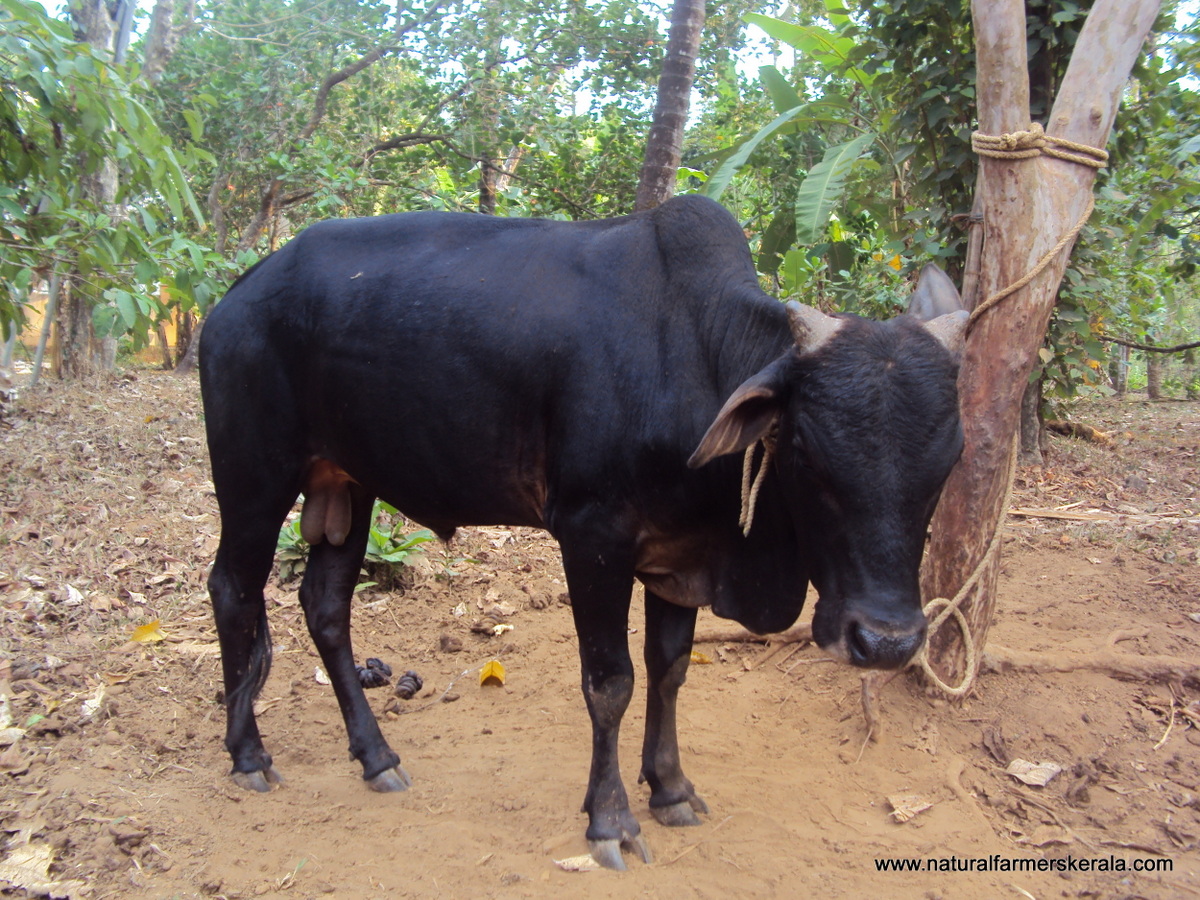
x=439 y=359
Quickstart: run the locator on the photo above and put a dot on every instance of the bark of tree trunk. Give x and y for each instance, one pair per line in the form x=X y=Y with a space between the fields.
x=1154 y=376
x=1118 y=369
x=1031 y=425
x=75 y=330
x=664 y=146
x=191 y=357
x=1028 y=205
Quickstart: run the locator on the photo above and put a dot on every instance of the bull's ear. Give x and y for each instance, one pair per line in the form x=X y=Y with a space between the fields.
x=935 y=295
x=747 y=415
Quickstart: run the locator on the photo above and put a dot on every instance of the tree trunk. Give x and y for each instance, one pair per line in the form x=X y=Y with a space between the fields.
x=1031 y=424
x=75 y=330
x=664 y=147
x=102 y=26
x=1118 y=369
x=162 y=37
x=1154 y=376
x=190 y=358
x=1028 y=206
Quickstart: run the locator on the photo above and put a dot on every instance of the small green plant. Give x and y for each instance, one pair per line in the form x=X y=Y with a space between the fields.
x=388 y=545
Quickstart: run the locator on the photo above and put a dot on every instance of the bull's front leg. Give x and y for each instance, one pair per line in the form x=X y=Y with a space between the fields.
x=601 y=582
x=669 y=633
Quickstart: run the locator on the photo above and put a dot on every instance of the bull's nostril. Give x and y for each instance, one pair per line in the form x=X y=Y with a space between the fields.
x=858 y=645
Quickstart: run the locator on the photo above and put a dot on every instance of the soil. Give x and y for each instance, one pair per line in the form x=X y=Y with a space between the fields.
x=114 y=783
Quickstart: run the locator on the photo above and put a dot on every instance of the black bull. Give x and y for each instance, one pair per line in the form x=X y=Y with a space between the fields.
x=598 y=380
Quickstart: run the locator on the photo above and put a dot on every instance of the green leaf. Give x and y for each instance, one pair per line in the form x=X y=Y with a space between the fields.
x=782 y=94
x=720 y=179
x=823 y=188
x=195 y=124
x=127 y=307
x=828 y=48
x=778 y=236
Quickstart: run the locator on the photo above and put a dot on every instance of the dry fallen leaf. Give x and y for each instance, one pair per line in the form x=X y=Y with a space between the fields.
x=28 y=868
x=92 y=704
x=149 y=633
x=1045 y=835
x=1036 y=774
x=491 y=673
x=906 y=806
x=701 y=658
x=577 y=864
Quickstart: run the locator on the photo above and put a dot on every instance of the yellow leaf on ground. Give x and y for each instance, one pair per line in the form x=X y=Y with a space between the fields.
x=491 y=673
x=701 y=658
x=149 y=633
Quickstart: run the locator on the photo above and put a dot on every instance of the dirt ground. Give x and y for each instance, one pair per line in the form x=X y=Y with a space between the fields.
x=113 y=777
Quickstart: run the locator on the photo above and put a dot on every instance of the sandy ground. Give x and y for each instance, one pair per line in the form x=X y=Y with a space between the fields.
x=114 y=782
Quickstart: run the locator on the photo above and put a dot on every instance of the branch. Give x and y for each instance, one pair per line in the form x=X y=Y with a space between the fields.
x=333 y=81
x=1149 y=348
x=404 y=140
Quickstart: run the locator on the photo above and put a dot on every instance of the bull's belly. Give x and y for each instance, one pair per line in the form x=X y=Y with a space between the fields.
x=440 y=507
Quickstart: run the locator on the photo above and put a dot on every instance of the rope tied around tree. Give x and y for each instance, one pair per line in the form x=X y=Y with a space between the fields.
x=1017 y=145
x=1035 y=142
x=951 y=608
x=1027 y=145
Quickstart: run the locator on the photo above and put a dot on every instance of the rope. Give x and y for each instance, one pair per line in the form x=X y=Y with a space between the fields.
x=1026 y=145
x=952 y=607
x=1036 y=270
x=749 y=490
x=1035 y=142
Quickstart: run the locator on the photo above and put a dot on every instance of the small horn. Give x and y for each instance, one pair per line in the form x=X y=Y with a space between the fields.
x=811 y=328
x=951 y=331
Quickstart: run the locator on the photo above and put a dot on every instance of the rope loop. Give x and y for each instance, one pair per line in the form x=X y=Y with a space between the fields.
x=952 y=608
x=750 y=490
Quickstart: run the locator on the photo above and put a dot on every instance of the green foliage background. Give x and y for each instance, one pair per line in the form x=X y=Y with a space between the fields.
x=846 y=155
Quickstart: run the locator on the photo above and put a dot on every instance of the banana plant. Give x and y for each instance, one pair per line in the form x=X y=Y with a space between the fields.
x=824 y=186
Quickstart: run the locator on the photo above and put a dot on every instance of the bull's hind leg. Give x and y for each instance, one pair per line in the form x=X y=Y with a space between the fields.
x=249 y=533
x=669 y=633
x=325 y=595
x=600 y=581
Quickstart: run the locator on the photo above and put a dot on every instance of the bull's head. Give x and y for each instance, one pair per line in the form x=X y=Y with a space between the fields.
x=868 y=430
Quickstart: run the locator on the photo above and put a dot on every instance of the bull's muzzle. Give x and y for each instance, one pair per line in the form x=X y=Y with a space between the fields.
x=871 y=640
x=876 y=646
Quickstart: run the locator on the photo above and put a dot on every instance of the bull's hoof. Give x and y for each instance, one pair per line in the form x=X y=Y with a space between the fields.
x=680 y=814
x=608 y=852
x=263 y=780
x=390 y=780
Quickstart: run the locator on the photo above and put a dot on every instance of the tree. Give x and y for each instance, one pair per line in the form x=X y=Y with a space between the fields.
x=1030 y=208
x=664 y=147
x=70 y=118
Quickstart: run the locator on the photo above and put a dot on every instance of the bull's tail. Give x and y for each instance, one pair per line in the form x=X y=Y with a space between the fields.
x=258 y=667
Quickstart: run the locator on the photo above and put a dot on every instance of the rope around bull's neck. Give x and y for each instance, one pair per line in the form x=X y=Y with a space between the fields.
x=1027 y=144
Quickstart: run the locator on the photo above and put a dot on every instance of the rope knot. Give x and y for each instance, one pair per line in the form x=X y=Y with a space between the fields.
x=1035 y=142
